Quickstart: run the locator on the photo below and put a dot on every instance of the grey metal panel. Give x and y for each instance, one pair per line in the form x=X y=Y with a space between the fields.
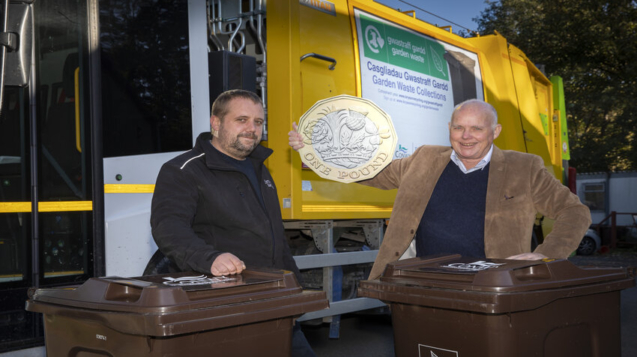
x=199 y=88
x=343 y=307
x=334 y=259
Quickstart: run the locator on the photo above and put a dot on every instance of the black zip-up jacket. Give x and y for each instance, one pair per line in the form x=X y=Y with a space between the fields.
x=203 y=207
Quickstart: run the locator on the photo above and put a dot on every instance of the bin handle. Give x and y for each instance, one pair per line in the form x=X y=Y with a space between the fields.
x=321 y=57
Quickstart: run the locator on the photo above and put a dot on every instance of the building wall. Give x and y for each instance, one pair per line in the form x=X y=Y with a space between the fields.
x=607 y=192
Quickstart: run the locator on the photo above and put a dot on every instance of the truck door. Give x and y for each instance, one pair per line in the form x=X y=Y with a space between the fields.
x=46 y=181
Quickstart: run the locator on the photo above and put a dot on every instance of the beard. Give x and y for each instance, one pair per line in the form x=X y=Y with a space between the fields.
x=245 y=148
x=235 y=147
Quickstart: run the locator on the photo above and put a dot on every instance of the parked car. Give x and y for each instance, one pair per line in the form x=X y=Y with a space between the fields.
x=590 y=243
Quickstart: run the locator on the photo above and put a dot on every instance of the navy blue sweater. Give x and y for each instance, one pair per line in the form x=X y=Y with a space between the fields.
x=453 y=222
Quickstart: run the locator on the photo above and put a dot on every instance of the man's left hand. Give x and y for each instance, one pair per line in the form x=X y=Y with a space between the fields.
x=528 y=256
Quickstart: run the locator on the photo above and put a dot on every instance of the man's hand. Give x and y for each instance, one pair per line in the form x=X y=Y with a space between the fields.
x=227 y=264
x=528 y=256
x=296 y=140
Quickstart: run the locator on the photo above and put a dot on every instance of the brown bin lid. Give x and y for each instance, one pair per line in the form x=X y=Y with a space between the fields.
x=178 y=303
x=490 y=285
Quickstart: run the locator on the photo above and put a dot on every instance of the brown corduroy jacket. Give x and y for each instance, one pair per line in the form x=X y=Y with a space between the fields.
x=519 y=187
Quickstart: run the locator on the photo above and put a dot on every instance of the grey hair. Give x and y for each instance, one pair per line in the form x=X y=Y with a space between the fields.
x=493 y=114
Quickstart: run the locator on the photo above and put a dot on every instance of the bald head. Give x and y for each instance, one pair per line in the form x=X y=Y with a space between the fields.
x=479 y=107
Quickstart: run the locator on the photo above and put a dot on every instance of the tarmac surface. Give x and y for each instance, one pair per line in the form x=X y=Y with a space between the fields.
x=372 y=334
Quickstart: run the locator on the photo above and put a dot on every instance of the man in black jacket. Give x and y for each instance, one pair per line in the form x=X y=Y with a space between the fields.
x=215 y=208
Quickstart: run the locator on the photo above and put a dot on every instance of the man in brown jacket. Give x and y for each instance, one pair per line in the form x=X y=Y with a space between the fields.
x=473 y=198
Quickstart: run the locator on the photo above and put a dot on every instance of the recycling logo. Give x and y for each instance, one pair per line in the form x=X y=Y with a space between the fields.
x=374 y=39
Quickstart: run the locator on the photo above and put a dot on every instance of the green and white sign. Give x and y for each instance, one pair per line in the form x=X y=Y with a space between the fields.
x=397 y=47
x=415 y=78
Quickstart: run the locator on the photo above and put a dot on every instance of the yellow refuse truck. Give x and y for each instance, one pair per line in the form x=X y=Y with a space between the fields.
x=97 y=95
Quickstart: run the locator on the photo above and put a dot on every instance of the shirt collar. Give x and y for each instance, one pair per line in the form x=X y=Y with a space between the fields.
x=485 y=160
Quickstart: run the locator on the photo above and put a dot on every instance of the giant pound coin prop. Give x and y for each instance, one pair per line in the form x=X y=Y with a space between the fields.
x=347 y=139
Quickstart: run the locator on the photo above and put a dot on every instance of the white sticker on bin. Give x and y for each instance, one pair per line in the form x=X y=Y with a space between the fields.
x=197 y=280
x=475 y=266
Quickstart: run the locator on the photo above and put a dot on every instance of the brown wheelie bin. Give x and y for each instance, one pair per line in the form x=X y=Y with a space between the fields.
x=455 y=306
x=181 y=314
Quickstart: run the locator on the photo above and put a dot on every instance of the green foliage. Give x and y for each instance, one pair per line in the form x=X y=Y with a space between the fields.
x=592 y=45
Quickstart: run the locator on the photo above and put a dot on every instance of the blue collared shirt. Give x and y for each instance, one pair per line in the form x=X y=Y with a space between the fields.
x=485 y=160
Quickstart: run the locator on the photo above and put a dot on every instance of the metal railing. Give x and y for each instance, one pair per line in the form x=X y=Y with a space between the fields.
x=613 y=226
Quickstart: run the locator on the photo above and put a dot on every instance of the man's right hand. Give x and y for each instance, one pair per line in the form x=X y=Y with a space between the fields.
x=296 y=139
x=227 y=264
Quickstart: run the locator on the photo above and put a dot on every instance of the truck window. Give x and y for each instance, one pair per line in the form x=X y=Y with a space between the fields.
x=145 y=77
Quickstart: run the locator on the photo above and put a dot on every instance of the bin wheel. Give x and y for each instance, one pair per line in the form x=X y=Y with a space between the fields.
x=160 y=264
